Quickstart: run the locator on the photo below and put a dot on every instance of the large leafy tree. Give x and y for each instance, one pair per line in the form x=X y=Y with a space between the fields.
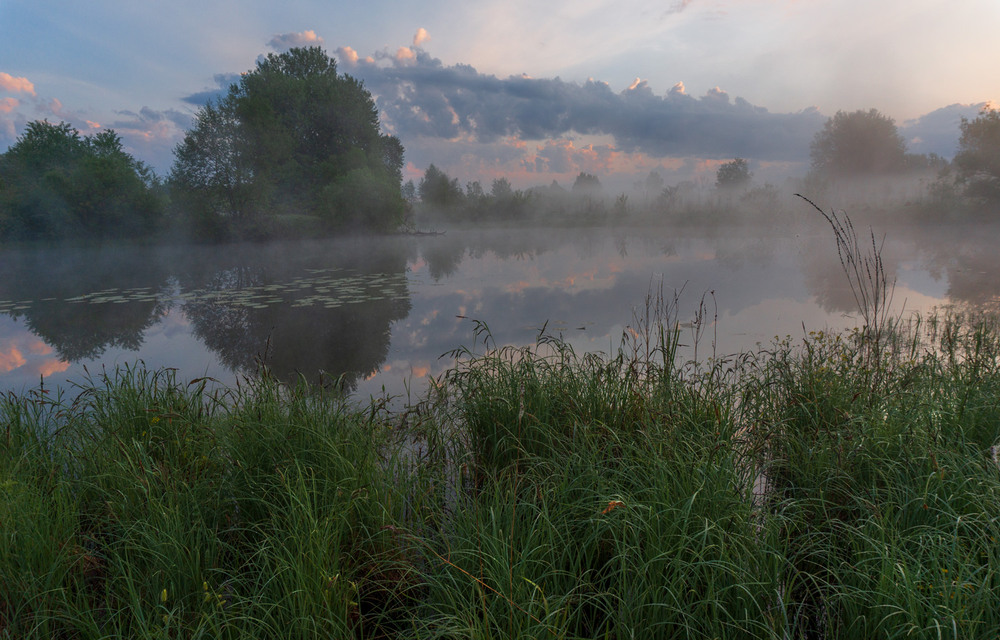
x=856 y=144
x=292 y=136
x=56 y=183
x=977 y=162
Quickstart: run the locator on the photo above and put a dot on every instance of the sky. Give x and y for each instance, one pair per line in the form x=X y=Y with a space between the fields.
x=532 y=92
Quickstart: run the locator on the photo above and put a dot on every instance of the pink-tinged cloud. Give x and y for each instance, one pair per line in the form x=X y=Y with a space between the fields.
x=405 y=55
x=638 y=83
x=92 y=124
x=286 y=41
x=56 y=107
x=9 y=104
x=420 y=370
x=16 y=85
x=52 y=366
x=39 y=347
x=347 y=55
x=11 y=359
x=420 y=37
x=562 y=156
x=411 y=172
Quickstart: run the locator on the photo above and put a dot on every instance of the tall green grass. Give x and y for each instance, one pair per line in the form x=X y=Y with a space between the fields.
x=804 y=490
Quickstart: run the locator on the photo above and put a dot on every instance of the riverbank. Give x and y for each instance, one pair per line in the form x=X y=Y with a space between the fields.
x=823 y=485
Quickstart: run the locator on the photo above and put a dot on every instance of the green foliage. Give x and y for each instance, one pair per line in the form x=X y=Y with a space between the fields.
x=291 y=137
x=978 y=158
x=733 y=175
x=860 y=143
x=362 y=199
x=436 y=189
x=59 y=184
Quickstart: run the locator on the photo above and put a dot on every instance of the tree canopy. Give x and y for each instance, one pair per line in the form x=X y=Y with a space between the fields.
x=586 y=184
x=55 y=183
x=977 y=162
x=733 y=175
x=291 y=137
x=437 y=189
x=858 y=144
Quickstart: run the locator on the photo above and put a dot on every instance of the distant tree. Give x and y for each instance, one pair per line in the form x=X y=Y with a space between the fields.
x=57 y=183
x=501 y=189
x=620 y=209
x=474 y=191
x=977 y=163
x=652 y=185
x=860 y=143
x=586 y=184
x=929 y=162
x=292 y=136
x=507 y=201
x=409 y=191
x=733 y=175
x=438 y=190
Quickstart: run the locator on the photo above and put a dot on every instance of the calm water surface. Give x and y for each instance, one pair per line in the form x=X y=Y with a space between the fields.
x=380 y=312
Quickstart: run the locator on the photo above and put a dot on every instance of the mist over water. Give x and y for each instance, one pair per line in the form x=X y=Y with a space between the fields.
x=372 y=313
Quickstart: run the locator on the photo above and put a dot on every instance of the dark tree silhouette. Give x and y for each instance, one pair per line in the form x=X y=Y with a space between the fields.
x=292 y=136
x=861 y=143
x=977 y=162
x=56 y=184
x=733 y=175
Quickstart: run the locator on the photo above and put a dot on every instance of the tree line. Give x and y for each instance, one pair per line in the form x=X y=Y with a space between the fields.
x=293 y=148
x=296 y=148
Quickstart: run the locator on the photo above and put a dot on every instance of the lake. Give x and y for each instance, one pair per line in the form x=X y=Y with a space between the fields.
x=378 y=312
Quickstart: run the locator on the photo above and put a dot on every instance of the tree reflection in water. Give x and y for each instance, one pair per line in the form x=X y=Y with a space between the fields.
x=44 y=280
x=333 y=306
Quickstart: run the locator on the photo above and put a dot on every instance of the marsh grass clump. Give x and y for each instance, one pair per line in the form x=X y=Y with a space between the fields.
x=885 y=502
x=148 y=508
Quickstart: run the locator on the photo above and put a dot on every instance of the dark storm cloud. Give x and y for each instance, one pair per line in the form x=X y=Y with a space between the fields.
x=419 y=96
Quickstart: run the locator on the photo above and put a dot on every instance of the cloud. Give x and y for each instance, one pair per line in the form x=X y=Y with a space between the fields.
x=420 y=37
x=564 y=157
x=679 y=6
x=419 y=96
x=222 y=81
x=8 y=104
x=53 y=366
x=347 y=55
x=16 y=85
x=938 y=131
x=285 y=41
x=11 y=359
x=151 y=134
x=405 y=55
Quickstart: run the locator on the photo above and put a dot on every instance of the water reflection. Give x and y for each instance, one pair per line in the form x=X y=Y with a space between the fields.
x=374 y=311
x=42 y=281
x=317 y=308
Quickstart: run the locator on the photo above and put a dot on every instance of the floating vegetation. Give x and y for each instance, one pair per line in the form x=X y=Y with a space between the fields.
x=330 y=288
